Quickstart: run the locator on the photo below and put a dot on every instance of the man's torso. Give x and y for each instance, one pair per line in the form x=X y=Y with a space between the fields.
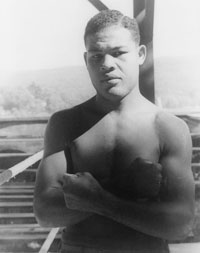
x=112 y=143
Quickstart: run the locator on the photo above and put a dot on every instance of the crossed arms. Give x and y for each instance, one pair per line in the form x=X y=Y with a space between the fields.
x=62 y=199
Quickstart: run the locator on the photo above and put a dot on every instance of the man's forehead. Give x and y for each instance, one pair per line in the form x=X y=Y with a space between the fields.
x=113 y=37
x=100 y=47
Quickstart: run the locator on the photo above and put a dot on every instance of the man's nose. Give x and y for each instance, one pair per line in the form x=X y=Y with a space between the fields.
x=108 y=63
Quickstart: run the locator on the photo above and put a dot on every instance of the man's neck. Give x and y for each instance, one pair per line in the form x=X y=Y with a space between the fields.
x=132 y=100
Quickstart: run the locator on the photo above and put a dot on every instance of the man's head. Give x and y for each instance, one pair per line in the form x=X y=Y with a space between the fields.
x=108 y=18
x=113 y=54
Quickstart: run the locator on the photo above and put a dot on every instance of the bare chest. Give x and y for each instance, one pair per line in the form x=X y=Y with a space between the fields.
x=114 y=143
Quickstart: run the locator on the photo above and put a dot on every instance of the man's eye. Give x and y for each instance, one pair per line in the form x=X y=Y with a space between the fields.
x=118 y=53
x=96 y=56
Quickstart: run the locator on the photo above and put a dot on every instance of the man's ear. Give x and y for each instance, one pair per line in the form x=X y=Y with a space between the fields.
x=85 y=58
x=142 y=54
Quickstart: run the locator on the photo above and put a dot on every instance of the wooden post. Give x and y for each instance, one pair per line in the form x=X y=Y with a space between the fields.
x=98 y=5
x=144 y=13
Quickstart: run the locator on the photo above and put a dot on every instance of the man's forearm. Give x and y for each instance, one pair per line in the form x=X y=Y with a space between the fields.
x=51 y=211
x=159 y=219
x=170 y=219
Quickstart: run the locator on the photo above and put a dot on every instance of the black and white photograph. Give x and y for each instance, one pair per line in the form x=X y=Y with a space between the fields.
x=99 y=126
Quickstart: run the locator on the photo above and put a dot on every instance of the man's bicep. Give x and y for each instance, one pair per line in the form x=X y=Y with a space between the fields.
x=50 y=172
x=179 y=181
x=176 y=162
x=55 y=135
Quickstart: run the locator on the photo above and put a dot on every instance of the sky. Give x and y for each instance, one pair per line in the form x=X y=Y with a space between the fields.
x=177 y=39
x=40 y=34
x=177 y=28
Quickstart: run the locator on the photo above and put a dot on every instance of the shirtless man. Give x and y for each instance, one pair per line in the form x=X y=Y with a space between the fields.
x=90 y=144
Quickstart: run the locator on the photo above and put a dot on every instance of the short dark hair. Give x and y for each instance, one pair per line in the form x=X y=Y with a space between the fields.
x=107 y=18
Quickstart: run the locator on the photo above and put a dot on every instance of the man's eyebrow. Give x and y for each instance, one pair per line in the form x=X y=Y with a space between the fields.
x=93 y=50
x=119 y=48
x=97 y=49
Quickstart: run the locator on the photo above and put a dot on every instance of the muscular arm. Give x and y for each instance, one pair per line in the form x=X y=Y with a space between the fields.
x=170 y=218
x=49 y=204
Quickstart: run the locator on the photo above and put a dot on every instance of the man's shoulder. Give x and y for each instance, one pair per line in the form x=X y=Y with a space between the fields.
x=164 y=119
x=64 y=115
x=63 y=126
x=67 y=117
x=170 y=128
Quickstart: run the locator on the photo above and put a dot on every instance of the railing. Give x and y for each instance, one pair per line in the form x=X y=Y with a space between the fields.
x=15 y=170
x=19 y=140
x=6 y=175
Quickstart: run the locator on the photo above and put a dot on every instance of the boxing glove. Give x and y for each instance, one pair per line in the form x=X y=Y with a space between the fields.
x=142 y=179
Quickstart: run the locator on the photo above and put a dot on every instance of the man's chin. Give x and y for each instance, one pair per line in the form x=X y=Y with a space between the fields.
x=117 y=93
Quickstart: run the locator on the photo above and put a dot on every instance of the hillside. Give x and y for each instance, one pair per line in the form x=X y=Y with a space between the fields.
x=177 y=82
x=43 y=92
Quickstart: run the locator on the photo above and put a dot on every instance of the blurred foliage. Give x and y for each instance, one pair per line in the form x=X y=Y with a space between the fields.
x=45 y=92
x=42 y=92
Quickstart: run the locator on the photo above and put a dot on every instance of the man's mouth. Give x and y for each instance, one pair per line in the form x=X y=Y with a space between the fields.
x=111 y=79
